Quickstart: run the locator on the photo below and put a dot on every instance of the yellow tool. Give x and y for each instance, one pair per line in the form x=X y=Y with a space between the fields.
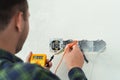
x=39 y=59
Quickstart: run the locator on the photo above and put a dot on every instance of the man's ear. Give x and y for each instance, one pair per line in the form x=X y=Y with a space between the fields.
x=19 y=21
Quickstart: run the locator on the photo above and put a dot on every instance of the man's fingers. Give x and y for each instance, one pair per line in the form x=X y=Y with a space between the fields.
x=67 y=49
x=29 y=57
x=70 y=46
x=48 y=64
x=76 y=46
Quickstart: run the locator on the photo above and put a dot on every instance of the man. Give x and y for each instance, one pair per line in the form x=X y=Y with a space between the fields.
x=14 y=27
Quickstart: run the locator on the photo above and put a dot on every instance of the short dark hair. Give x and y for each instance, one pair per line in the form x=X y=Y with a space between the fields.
x=8 y=8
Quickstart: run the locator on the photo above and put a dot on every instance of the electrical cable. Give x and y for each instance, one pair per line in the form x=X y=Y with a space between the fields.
x=59 y=62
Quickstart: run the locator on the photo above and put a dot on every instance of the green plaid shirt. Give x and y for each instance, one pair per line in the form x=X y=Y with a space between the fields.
x=13 y=68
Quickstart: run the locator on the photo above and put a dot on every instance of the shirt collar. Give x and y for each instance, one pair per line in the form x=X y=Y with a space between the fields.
x=9 y=56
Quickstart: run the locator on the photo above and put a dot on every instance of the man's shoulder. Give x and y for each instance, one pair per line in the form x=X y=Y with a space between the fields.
x=26 y=71
x=22 y=70
x=4 y=64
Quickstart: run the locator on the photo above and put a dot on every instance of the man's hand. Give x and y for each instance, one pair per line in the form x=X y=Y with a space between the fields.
x=29 y=57
x=73 y=56
x=49 y=65
x=47 y=61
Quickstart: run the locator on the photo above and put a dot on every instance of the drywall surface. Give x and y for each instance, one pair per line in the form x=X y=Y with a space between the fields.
x=77 y=19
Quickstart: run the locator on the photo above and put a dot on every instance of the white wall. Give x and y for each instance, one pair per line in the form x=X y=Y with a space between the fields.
x=77 y=19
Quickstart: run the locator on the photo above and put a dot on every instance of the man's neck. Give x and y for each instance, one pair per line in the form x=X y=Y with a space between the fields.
x=7 y=43
x=7 y=47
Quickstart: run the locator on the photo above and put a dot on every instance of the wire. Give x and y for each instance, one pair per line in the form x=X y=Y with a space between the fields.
x=59 y=63
x=85 y=57
x=70 y=45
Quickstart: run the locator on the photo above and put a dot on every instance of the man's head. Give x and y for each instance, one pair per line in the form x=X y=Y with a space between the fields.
x=13 y=23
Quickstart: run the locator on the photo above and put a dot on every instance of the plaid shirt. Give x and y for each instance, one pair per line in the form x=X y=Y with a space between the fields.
x=13 y=68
